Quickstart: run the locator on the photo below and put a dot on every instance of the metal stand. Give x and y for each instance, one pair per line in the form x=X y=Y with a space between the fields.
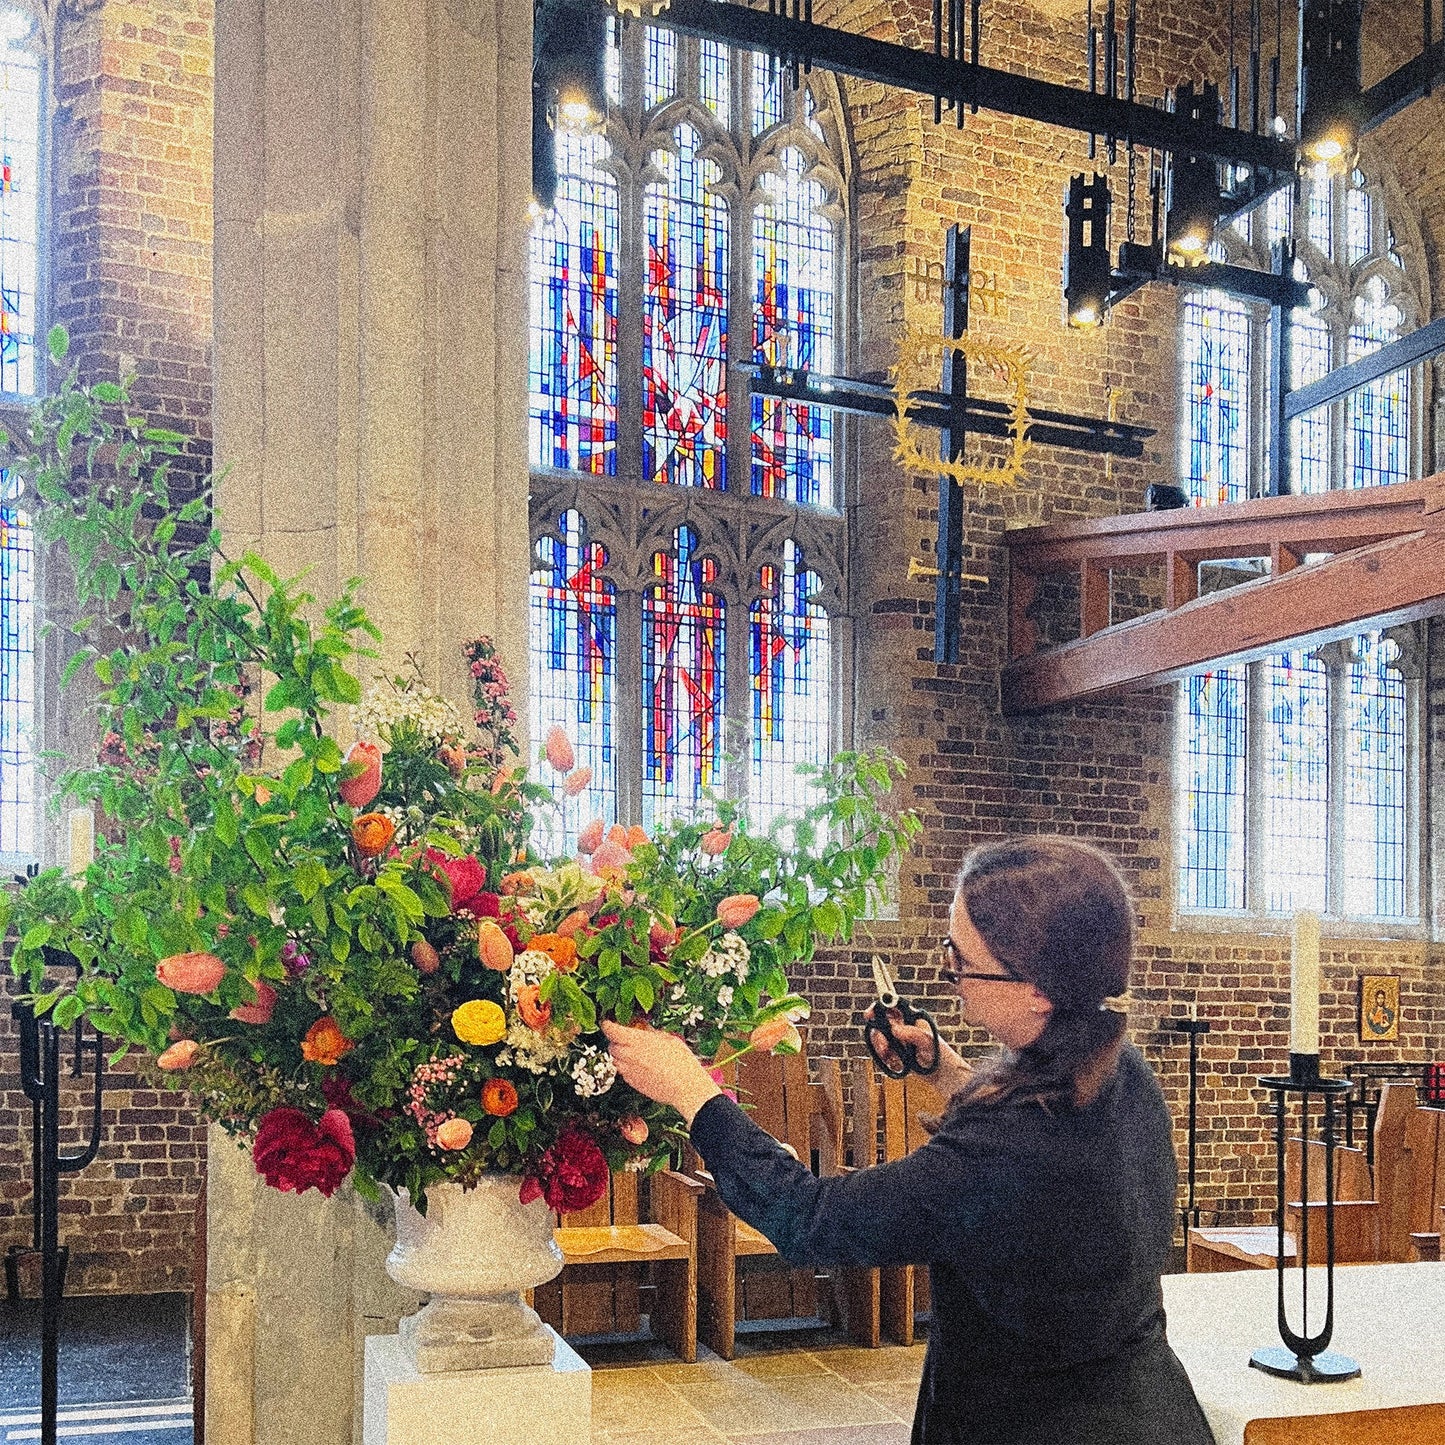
x=1304 y=1356
x=1194 y=1028
x=40 y=1078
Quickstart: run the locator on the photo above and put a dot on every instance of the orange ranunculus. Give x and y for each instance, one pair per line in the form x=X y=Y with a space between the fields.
x=535 y=1014
x=180 y=1055
x=357 y=788
x=325 y=1043
x=499 y=1097
x=494 y=948
x=562 y=951
x=559 y=750
x=454 y=1133
x=591 y=837
x=737 y=909
x=574 y=923
x=426 y=958
x=513 y=883
x=372 y=833
x=191 y=972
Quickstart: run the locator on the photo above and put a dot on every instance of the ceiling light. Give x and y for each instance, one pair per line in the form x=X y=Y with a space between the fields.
x=1329 y=81
x=570 y=56
x=1193 y=186
x=1087 y=270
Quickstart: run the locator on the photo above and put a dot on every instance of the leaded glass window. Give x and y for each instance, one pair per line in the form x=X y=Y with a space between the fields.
x=1295 y=782
x=20 y=80
x=1215 y=340
x=1377 y=785
x=1214 y=789
x=699 y=231
x=17 y=683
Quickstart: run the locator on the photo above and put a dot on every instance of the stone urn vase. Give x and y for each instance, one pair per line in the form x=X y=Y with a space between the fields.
x=474 y=1252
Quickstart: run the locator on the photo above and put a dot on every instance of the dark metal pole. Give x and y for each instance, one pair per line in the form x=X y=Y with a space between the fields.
x=1193 y=1028
x=948 y=590
x=47 y=1188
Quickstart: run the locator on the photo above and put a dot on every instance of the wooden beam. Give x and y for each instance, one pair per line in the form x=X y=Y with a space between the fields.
x=1385 y=585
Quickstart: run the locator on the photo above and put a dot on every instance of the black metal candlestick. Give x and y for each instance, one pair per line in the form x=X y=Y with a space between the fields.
x=1194 y=1028
x=1304 y=1356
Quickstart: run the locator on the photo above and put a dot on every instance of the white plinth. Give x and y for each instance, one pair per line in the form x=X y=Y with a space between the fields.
x=521 y=1405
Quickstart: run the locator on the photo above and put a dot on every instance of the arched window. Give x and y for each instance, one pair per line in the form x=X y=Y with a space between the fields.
x=21 y=80
x=701 y=230
x=1296 y=772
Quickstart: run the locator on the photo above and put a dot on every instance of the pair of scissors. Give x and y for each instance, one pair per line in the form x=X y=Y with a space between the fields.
x=894 y=1058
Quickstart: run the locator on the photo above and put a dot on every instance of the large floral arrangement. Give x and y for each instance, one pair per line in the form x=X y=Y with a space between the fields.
x=320 y=910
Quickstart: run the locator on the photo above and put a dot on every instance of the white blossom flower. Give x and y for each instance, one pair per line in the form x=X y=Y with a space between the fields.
x=384 y=707
x=593 y=1072
x=725 y=996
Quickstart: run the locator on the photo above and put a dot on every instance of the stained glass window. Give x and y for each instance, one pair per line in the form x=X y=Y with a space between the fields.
x=1215 y=340
x=1296 y=782
x=683 y=677
x=1212 y=870
x=574 y=669
x=767 y=93
x=574 y=314
x=1359 y=220
x=790 y=666
x=1377 y=415
x=1377 y=783
x=685 y=321
x=19 y=200
x=1319 y=215
x=661 y=82
x=1310 y=433
x=17 y=683
x=713 y=80
x=793 y=247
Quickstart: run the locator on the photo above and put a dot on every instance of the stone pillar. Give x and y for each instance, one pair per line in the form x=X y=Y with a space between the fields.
x=372 y=176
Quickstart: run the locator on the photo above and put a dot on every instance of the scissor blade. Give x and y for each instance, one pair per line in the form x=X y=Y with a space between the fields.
x=883 y=982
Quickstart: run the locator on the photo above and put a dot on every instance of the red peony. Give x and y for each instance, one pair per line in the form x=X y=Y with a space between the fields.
x=571 y=1175
x=466 y=879
x=293 y=1154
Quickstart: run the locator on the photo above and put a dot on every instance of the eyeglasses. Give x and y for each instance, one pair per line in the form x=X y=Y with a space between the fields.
x=950 y=974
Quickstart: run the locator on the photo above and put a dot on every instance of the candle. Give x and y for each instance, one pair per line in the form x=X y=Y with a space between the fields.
x=1304 y=984
x=82 y=840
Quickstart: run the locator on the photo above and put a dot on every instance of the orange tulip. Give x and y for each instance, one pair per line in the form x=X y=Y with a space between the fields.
x=324 y=1043
x=738 y=909
x=426 y=958
x=494 y=948
x=372 y=833
x=559 y=751
x=180 y=1055
x=576 y=781
x=499 y=1097
x=769 y=1035
x=191 y=972
x=617 y=833
x=562 y=951
x=454 y=1134
x=357 y=788
x=633 y=1129
x=715 y=841
x=637 y=836
x=574 y=923
x=535 y=1014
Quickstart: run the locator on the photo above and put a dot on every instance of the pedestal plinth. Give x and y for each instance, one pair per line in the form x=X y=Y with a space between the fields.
x=518 y=1405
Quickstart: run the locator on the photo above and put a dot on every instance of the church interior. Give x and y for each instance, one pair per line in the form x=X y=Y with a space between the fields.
x=1049 y=394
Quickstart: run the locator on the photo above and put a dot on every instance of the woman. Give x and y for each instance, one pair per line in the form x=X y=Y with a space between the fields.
x=1043 y=1205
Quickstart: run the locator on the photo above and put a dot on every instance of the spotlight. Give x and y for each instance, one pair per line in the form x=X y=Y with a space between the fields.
x=1087 y=271
x=1194 y=201
x=544 y=153
x=570 y=53
x=1329 y=81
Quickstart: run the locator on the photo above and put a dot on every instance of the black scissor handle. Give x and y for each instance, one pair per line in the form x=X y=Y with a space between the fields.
x=878 y=1035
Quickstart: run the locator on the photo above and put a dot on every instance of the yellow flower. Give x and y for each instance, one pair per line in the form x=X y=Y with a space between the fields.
x=479 y=1022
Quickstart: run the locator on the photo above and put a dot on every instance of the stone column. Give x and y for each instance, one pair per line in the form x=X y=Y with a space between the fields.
x=372 y=177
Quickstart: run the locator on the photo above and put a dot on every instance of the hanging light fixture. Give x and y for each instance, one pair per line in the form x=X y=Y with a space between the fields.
x=569 y=50
x=1194 y=200
x=1329 y=81
x=1087 y=268
x=544 y=151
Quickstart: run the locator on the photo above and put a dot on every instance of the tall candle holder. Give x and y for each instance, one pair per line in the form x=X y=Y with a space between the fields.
x=1195 y=1028
x=1305 y=1357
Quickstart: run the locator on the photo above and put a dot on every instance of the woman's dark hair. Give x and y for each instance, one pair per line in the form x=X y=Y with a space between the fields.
x=1057 y=913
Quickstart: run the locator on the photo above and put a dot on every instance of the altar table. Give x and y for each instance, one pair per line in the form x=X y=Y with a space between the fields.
x=1388 y=1319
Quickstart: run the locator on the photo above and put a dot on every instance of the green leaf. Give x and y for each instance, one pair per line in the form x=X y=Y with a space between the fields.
x=37 y=936
x=58 y=342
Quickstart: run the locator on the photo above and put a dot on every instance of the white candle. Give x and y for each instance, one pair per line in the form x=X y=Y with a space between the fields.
x=82 y=840
x=1304 y=984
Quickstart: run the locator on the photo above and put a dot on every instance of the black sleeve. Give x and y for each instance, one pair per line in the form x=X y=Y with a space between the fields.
x=907 y=1212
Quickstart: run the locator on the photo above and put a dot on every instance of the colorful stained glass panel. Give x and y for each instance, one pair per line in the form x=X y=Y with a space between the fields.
x=1377 y=432
x=714 y=79
x=17 y=684
x=768 y=105
x=1214 y=340
x=1296 y=783
x=1376 y=785
x=19 y=199
x=1310 y=433
x=660 y=82
x=1215 y=740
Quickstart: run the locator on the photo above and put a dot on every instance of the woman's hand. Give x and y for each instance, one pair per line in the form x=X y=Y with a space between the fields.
x=953 y=1069
x=661 y=1066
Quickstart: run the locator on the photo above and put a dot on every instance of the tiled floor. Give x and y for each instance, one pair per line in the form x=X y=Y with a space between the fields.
x=799 y=1389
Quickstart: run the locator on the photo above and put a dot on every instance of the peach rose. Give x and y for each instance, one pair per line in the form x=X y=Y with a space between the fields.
x=180 y=1055
x=738 y=909
x=494 y=948
x=559 y=752
x=715 y=841
x=576 y=781
x=361 y=775
x=261 y=1010
x=426 y=958
x=324 y=1043
x=535 y=1014
x=591 y=837
x=454 y=1134
x=610 y=860
x=372 y=833
x=191 y=972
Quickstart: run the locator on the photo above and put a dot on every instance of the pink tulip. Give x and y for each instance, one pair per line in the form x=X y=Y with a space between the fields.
x=261 y=1010
x=454 y=1134
x=576 y=781
x=591 y=838
x=715 y=841
x=191 y=972
x=180 y=1055
x=737 y=909
x=358 y=790
x=558 y=748
x=610 y=859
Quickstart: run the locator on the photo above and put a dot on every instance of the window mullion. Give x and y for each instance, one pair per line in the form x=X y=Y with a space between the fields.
x=1256 y=894
x=632 y=265
x=1337 y=662
x=628 y=722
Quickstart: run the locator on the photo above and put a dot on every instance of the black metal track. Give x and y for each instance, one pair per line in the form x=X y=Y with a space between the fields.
x=1402 y=87
x=1427 y=341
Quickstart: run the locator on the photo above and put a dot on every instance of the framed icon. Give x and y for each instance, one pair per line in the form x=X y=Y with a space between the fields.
x=1379 y=1007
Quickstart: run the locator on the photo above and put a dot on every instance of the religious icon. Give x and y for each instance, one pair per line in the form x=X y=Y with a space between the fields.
x=1379 y=1007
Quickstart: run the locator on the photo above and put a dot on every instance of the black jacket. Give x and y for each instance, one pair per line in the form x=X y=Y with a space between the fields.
x=1045 y=1233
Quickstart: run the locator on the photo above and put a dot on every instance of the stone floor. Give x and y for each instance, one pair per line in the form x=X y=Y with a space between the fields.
x=782 y=1389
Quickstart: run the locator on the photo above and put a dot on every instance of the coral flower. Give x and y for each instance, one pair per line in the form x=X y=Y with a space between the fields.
x=361 y=775
x=618 y=834
x=769 y=1035
x=372 y=833
x=562 y=951
x=576 y=781
x=499 y=1097
x=535 y=1014
x=738 y=909
x=454 y=1134
x=325 y=1043
x=494 y=948
x=191 y=972
x=514 y=883
x=479 y=1022
x=426 y=958
x=715 y=841
x=261 y=1010
x=180 y=1055
x=558 y=748
x=591 y=837
x=574 y=923
x=637 y=836
x=633 y=1129
x=610 y=860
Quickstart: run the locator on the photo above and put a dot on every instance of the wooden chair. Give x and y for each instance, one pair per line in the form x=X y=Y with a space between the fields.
x=610 y=1253
x=740 y=1276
